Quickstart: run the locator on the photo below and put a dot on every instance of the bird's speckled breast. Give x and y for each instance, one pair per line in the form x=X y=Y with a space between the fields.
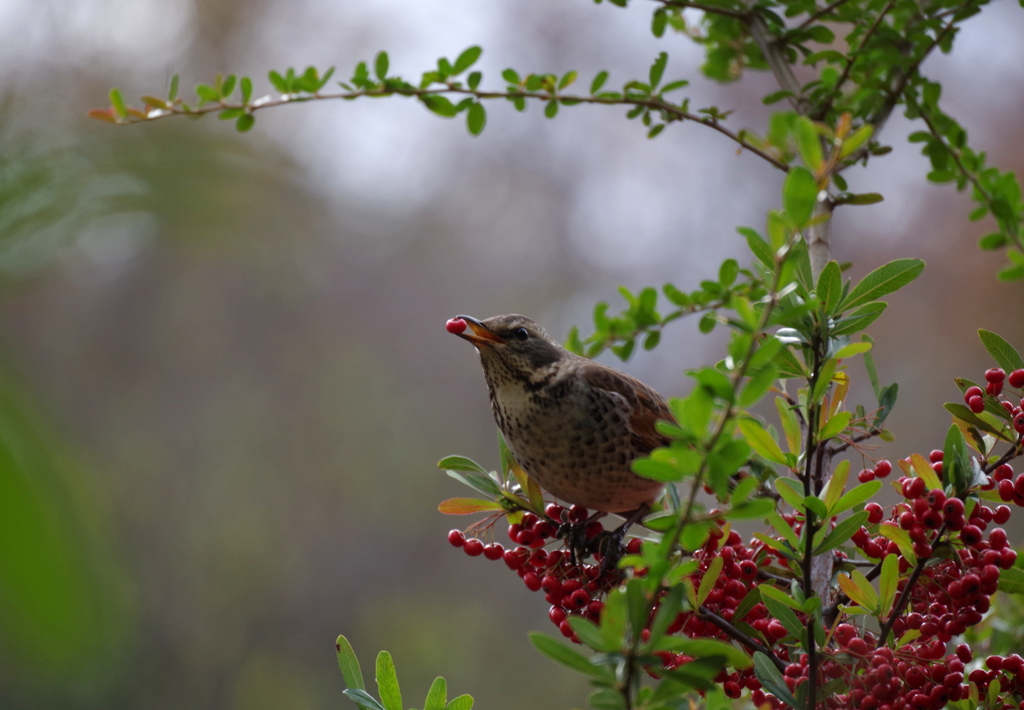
x=574 y=440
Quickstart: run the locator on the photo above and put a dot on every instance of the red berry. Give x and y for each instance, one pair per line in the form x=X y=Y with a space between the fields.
x=973 y=391
x=1001 y=515
x=970 y=535
x=579 y=599
x=882 y=469
x=473 y=547
x=844 y=634
x=1018 y=423
x=532 y=581
x=953 y=508
x=976 y=404
x=494 y=551
x=456 y=538
x=554 y=512
x=936 y=497
x=857 y=646
x=995 y=374
x=963 y=652
x=455 y=326
x=556 y=614
x=1006 y=490
x=748 y=569
x=997 y=539
x=994 y=388
x=866 y=476
x=1003 y=472
x=935 y=455
x=875 y=513
x=1017 y=379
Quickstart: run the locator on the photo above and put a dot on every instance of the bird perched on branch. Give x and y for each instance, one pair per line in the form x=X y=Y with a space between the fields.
x=574 y=425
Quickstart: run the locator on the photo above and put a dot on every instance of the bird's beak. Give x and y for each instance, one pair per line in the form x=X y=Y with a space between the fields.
x=477 y=333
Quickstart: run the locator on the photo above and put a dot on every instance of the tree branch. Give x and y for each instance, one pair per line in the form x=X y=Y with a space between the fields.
x=734 y=633
x=674 y=112
x=821 y=13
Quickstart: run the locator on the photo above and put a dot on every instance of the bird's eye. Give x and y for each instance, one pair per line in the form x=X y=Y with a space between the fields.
x=522 y=334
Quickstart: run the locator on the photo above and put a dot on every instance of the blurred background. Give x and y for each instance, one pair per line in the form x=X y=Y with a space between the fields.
x=224 y=377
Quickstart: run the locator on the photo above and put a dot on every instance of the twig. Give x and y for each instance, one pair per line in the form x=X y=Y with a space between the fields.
x=684 y=4
x=657 y=104
x=852 y=59
x=735 y=633
x=820 y=13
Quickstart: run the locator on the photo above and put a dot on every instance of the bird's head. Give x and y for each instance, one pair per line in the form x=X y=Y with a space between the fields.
x=513 y=342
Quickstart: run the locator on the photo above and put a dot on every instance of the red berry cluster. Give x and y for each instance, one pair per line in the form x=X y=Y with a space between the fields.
x=570 y=588
x=974 y=396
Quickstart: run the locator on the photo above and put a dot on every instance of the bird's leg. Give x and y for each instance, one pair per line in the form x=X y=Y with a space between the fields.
x=610 y=546
x=575 y=536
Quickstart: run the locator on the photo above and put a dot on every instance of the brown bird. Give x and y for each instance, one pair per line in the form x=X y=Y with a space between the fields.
x=574 y=425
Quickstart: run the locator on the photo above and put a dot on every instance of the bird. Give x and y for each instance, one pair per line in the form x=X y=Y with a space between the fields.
x=574 y=425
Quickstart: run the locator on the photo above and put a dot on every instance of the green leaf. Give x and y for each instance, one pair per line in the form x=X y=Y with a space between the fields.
x=380 y=65
x=362 y=699
x=569 y=658
x=859 y=319
x=808 y=142
x=859 y=589
x=761 y=441
x=467 y=59
x=551 y=108
x=852 y=349
x=902 y=539
x=855 y=141
x=842 y=532
x=613 y=619
x=887 y=583
x=784 y=529
x=855 y=497
x=767 y=591
x=568 y=79
x=1011 y=581
x=387 y=682
x=246 y=85
x=117 y=103
x=799 y=193
x=830 y=287
x=706 y=648
x=172 y=94
x=244 y=123
x=511 y=76
x=882 y=281
x=462 y=702
x=587 y=632
x=349 y=664
x=771 y=679
x=437 y=695
x=476 y=118
x=760 y=248
x=790 y=424
x=658 y=69
x=789 y=494
x=1001 y=351
x=707 y=583
x=834 y=426
x=964 y=414
x=834 y=488
x=460 y=463
x=439 y=105
x=656 y=470
x=864 y=198
x=598 y=82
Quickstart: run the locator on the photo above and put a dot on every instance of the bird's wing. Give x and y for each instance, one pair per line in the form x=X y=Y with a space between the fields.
x=645 y=405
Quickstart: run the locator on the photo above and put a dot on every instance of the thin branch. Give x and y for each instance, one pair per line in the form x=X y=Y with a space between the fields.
x=685 y=4
x=955 y=155
x=734 y=633
x=821 y=13
x=852 y=58
x=777 y=61
x=675 y=113
x=897 y=609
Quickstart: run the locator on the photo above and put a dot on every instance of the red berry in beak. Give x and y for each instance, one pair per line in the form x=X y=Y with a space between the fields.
x=455 y=326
